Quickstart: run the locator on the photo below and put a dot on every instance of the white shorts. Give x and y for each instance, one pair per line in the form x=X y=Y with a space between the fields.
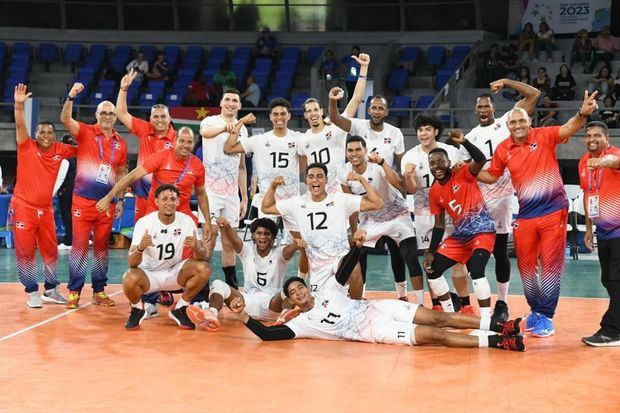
x=399 y=229
x=257 y=306
x=395 y=322
x=424 y=230
x=222 y=206
x=164 y=280
x=501 y=213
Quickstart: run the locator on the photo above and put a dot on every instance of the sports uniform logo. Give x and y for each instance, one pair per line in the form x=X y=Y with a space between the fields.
x=330 y=204
x=455 y=188
x=533 y=146
x=328 y=136
x=291 y=145
x=20 y=225
x=176 y=232
x=56 y=157
x=387 y=141
x=370 y=179
x=325 y=303
x=116 y=144
x=167 y=145
x=77 y=213
x=163 y=231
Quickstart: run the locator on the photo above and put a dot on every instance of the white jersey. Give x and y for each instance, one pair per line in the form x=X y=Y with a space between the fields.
x=486 y=138
x=167 y=239
x=387 y=143
x=423 y=176
x=394 y=204
x=326 y=147
x=323 y=225
x=274 y=156
x=262 y=274
x=221 y=170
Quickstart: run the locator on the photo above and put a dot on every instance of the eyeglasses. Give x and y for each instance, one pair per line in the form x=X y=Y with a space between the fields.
x=107 y=114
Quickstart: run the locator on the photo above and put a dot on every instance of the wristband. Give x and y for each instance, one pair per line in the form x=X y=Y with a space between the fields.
x=70 y=98
x=124 y=89
x=362 y=76
x=581 y=115
x=138 y=249
x=382 y=162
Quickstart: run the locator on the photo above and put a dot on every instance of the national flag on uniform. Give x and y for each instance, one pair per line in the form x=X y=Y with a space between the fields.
x=191 y=116
x=177 y=232
x=20 y=225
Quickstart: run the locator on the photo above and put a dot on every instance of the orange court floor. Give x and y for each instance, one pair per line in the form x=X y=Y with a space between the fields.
x=58 y=360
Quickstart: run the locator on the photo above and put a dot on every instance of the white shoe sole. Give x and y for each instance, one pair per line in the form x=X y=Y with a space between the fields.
x=609 y=344
x=46 y=299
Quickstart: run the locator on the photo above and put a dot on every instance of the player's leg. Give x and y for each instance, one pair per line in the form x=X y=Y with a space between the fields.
x=48 y=248
x=437 y=282
x=101 y=239
x=229 y=263
x=25 y=227
x=425 y=335
x=409 y=252
x=397 y=263
x=135 y=284
x=192 y=276
x=83 y=222
x=219 y=294
x=482 y=288
x=527 y=249
x=502 y=266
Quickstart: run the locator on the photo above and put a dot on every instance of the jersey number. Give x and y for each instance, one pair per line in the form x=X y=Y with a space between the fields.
x=321 y=156
x=261 y=280
x=327 y=319
x=279 y=159
x=166 y=251
x=427 y=179
x=455 y=207
x=323 y=218
x=490 y=147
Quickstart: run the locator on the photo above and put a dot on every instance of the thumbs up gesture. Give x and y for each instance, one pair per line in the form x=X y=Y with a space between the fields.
x=145 y=242
x=191 y=242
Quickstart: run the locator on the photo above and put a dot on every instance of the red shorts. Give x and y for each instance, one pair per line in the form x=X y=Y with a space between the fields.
x=461 y=251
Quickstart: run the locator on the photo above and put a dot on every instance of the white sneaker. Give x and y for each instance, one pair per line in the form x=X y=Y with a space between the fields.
x=151 y=310
x=53 y=296
x=34 y=300
x=63 y=247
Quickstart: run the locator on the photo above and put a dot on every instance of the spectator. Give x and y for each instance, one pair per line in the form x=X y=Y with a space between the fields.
x=265 y=45
x=330 y=66
x=352 y=69
x=159 y=71
x=491 y=67
x=582 y=49
x=617 y=85
x=251 y=96
x=225 y=78
x=601 y=82
x=605 y=46
x=546 y=115
x=544 y=41
x=510 y=62
x=527 y=40
x=542 y=82
x=200 y=93
x=608 y=114
x=564 y=87
x=523 y=77
x=139 y=65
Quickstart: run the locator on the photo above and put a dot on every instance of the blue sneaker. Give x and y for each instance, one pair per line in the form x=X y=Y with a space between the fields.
x=532 y=320
x=544 y=327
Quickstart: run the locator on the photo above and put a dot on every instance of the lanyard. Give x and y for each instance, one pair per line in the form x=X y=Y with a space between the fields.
x=114 y=145
x=183 y=172
x=597 y=176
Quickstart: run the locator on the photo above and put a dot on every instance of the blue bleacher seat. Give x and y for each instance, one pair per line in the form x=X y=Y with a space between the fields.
x=22 y=49
x=453 y=62
x=187 y=72
x=149 y=98
x=48 y=52
x=442 y=78
x=219 y=52
x=424 y=101
x=2 y=52
x=122 y=51
x=261 y=81
x=435 y=55
x=242 y=51
x=196 y=52
x=410 y=54
x=149 y=52
x=297 y=101
x=171 y=55
x=85 y=73
x=400 y=102
x=313 y=53
x=398 y=79
x=461 y=51
x=282 y=82
x=174 y=99
x=278 y=93
x=73 y=53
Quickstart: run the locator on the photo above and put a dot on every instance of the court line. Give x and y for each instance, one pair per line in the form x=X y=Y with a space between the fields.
x=49 y=320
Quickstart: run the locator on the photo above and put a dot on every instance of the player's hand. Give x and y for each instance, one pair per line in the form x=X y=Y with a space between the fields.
x=248 y=119
x=128 y=79
x=594 y=163
x=237 y=306
x=359 y=238
x=588 y=239
x=409 y=170
x=363 y=59
x=336 y=93
x=191 y=241
x=243 y=209
x=429 y=257
x=145 y=242
x=374 y=157
x=458 y=165
x=301 y=244
x=354 y=176
x=457 y=136
x=206 y=233
x=20 y=95
x=104 y=205
x=277 y=181
x=118 y=209
x=76 y=89
x=497 y=85
x=589 y=105
x=221 y=221
x=230 y=127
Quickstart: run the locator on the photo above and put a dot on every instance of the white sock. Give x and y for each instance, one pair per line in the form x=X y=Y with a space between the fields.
x=181 y=303
x=419 y=296
x=485 y=312
x=401 y=288
x=485 y=323
x=502 y=291
x=483 y=340
x=137 y=305
x=447 y=305
x=214 y=310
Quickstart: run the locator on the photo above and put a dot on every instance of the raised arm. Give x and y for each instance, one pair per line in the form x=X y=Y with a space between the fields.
x=209 y=132
x=66 y=115
x=409 y=178
x=530 y=93
x=243 y=187
x=268 y=206
x=371 y=201
x=233 y=145
x=20 y=96
x=588 y=106
x=121 y=101
x=478 y=158
x=334 y=115
x=360 y=86
x=289 y=251
x=230 y=233
x=390 y=174
x=486 y=178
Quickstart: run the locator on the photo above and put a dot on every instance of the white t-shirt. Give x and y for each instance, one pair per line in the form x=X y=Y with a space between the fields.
x=387 y=143
x=394 y=203
x=262 y=274
x=323 y=225
x=274 y=156
x=486 y=138
x=423 y=175
x=168 y=240
x=326 y=147
x=221 y=170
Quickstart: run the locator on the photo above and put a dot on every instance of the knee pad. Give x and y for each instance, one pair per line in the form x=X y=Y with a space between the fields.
x=221 y=288
x=482 y=288
x=439 y=286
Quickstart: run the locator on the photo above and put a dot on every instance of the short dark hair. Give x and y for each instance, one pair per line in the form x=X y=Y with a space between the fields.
x=439 y=150
x=279 y=102
x=486 y=95
x=271 y=226
x=46 y=122
x=231 y=90
x=356 y=138
x=598 y=124
x=317 y=165
x=291 y=281
x=311 y=100
x=424 y=119
x=166 y=187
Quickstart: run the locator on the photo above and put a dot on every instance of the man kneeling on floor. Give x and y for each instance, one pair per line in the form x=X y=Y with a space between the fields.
x=165 y=254
x=331 y=315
